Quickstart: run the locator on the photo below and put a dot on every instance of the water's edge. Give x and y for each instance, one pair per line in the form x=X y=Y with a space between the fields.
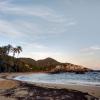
x=65 y=78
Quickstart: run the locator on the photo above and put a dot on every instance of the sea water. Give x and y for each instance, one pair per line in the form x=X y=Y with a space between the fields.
x=89 y=78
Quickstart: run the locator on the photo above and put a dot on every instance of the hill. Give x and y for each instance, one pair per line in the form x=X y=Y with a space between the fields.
x=51 y=65
x=48 y=62
x=28 y=61
x=11 y=64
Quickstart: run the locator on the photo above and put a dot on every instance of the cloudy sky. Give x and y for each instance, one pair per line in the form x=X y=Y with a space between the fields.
x=67 y=30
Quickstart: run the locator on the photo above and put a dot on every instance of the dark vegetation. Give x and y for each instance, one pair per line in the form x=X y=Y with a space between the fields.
x=11 y=63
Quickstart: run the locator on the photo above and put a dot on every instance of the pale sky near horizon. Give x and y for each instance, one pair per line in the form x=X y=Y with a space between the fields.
x=66 y=30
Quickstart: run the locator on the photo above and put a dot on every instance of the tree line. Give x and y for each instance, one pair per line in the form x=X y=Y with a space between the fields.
x=8 y=62
x=6 y=50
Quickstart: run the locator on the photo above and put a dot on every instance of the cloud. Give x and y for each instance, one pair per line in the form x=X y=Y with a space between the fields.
x=91 y=48
x=7 y=28
x=52 y=22
x=43 y=12
x=38 y=51
x=72 y=23
x=33 y=45
x=27 y=28
x=90 y=51
x=44 y=54
x=26 y=23
x=20 y=20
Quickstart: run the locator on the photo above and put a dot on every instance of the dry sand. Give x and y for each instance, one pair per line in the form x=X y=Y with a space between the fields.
x=7 y=84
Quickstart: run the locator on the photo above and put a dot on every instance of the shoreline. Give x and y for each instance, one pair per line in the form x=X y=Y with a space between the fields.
x=91 y=90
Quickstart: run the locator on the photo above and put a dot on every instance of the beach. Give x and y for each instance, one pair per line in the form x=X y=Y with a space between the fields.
x=16 y=90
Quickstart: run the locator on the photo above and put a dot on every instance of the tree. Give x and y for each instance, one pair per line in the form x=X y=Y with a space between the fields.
x=9 y=47
x=1 y=51
x=19 y=49
x=4 y=50
x=14 y=50
x=8 y=63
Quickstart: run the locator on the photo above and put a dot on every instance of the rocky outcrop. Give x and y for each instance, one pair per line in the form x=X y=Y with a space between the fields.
x=68 y=67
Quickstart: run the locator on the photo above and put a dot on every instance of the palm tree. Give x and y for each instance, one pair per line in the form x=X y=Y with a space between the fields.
x=4 y=50
x=19 y=49
x=14 y=50
x=9 y=47
x=0 y=50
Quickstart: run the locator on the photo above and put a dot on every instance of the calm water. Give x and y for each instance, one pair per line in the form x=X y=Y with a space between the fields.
x=88 y=78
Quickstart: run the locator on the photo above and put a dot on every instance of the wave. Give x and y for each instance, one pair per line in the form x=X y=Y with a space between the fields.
x=65 y=78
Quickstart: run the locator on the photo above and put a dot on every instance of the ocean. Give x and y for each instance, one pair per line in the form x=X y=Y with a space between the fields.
x=89 y=78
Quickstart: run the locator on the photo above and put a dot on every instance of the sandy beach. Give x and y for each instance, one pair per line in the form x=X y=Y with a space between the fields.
x=11 y=90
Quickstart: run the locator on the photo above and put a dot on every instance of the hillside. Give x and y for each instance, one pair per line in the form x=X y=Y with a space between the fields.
x=28 y=61
x=51 y=65
x=11 y=64
x=48 y=62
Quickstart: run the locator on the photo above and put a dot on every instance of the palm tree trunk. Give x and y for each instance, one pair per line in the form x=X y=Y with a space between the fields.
x=14 y=54
x=17 y=55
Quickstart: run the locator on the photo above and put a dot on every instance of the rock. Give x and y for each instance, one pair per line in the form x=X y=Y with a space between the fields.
x=80 y=72
x=68 y=67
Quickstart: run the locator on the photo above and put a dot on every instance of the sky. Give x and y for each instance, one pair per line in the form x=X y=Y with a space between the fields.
x=66 y=30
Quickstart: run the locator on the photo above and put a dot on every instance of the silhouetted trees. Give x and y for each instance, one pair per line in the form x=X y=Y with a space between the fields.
x=10 y=63
x=5 y=50
x=7 y=62
x=9 y=47
x=19 y=49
